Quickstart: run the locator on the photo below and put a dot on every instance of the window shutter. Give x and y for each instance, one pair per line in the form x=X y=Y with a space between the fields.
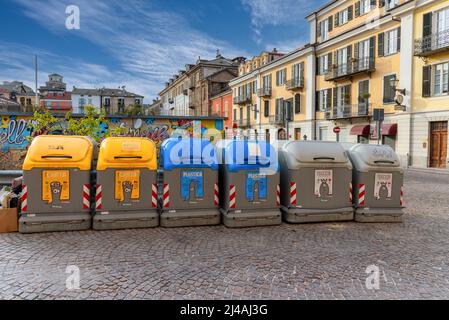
x=329 y=99
x=356 y=50
x=349 y=52
x=329 y=61
x=357 y=9
x=334 y=98
x=297 y=103
x=380 y=45
x=301 y=70
x=318 y=60
x=381 y=3
x=317 y=101
x=319 y=29
x=426 y=83
x=331 y=23
x=350 y=13
x=373 y=3
x=399 y=39
x=427 y=25
x=267 y=108
x=347 y=90
x=372 y=48
x=336 y=20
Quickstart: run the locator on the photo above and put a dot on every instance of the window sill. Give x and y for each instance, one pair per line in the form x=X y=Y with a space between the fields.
x=389 y=55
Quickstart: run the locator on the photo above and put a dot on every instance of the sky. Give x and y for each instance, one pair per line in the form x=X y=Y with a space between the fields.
x=140 y=44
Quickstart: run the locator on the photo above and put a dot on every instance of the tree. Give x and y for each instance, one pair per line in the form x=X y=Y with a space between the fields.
x=89 y=125
x=134 y=110
x=41 y=123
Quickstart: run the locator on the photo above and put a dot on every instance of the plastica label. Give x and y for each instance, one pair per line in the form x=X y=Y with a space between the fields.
x=55 y=186
x=256 y=183
x=192 y=185
x=127 y=185
x=134 y=146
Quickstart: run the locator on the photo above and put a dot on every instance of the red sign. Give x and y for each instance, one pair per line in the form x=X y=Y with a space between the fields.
x=337 y=130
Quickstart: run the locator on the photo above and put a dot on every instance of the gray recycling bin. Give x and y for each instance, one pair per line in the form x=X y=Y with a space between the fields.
x=190 y=188
x=249 y=183
x=378 y=183
x=316 y=182
x=126 y=189
x=56 y=185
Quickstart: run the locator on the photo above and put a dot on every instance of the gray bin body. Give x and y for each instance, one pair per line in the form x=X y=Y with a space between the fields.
x=130 y=213
x=315 y=182
x=42 y=216
x=377 y=165
x=252 y=212
x=190 y=204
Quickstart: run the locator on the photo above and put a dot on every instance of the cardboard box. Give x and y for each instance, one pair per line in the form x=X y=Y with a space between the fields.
x=9 y=220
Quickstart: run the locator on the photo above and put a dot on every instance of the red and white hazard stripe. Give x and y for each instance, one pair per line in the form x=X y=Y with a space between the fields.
x=402 y=196
x=350 y=192
x=24 y=198
x=166 y=196
x=232 y=196
x=154 y=195
x=86 y=196
x=362 y=191
x=293 y=200
x=216 y=193
x=278 y=196
x=98 y=198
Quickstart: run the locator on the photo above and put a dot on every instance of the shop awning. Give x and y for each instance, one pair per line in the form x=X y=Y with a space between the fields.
x=361 y=130
x=390 y=129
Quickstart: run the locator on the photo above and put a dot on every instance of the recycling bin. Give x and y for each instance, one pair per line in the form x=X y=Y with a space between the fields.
x=190 y=183
x=56 y=185
x=249 y=183
x=316 y=182
x=378 y=181
x=126 y=185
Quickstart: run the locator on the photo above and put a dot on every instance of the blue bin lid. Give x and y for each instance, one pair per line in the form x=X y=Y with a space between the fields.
x=249 y=155
x=188 y=153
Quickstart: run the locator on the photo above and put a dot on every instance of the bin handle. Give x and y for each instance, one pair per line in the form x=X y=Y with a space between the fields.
x=130 y=157
x=323 y=158
x=56 y=157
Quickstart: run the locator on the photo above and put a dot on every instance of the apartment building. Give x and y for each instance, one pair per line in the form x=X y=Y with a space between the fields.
x=189 y=92
x=54 y=95
x=20 y=93
x=273 y=96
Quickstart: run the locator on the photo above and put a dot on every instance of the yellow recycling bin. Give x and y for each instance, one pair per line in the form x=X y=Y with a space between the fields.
x=126 y=192
x=56 y=185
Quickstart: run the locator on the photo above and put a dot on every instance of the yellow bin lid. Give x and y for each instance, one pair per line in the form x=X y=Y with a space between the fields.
x=59 y=152
x=127 y=152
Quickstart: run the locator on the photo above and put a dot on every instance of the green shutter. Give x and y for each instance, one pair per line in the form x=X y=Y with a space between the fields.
x=380 y=44
x=350 y=13
x=357 y=9
x=427 y=25
x=426 y=83
x=331 y=23
x=399 y=39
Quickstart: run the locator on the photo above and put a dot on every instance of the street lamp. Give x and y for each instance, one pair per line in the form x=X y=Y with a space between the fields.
x=400 y=93
x=394 y=82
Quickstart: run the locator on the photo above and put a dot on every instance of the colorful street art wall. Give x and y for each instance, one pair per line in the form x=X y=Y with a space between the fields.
x=14 y=133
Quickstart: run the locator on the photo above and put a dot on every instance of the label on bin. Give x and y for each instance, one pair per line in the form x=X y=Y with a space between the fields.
x=127 y=185
x=383 y=183
x=133 y=146
x=55 y=186
x=324 y=183
x=256 y=183
x=192 y=185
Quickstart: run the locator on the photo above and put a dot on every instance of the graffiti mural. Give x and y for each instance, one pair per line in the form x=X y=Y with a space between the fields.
x=14 y=132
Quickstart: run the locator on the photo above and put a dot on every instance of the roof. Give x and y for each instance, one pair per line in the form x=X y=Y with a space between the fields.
x=106 y=92
x=322 y=7
x=17 y=87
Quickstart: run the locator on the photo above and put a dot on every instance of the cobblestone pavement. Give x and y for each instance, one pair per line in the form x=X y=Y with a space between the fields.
x=315 y=261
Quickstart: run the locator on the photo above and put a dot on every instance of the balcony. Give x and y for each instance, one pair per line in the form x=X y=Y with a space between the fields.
x=432 y=44
x=264 y=92
x=192 y=84
x=277 y=120
x=295 y=83
x=360 y=110
x=350 y=69
x=241 y=100
x=243 y=123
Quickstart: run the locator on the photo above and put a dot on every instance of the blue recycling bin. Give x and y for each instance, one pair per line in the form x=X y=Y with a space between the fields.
x=190 y=190
x=249 y=183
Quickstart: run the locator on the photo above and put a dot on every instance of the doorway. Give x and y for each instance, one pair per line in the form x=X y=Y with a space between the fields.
x=438 y=144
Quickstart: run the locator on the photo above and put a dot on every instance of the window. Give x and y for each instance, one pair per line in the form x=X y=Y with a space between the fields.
x=82 y=102
x=296 y=71
x=267 y=81
x=342 y=17
x=279 y=106
x=266 y=110
x=441 y=79
x=235 y=114
x=390 y=4
x=280 y=77
x=323 y=64
x=324 y=100
x=391 y=42
x=342 y=61
x=343 y=96
x=324 y=30
x=389 y=90
x=365 y=6
x=107 y=101
x=442 y=20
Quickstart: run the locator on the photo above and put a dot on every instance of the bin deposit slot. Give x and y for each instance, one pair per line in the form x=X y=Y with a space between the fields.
x=131 y=157
x=56 y=157
x=384 y=162
x=324 y=158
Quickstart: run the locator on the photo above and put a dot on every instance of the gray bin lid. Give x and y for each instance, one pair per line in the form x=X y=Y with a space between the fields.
x=365 y=157
x=314 y=153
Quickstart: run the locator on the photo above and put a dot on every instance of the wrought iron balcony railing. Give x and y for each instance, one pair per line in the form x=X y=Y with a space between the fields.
x=295 y=83
x=241 y=99
x=277 y=119
x=264 y=92
x=353 y=67
x=360 y=110
x=431 y=44
x=244 y=123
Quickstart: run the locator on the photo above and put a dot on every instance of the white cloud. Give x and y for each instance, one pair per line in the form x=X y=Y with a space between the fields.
x=276 y=13
x=148 y=44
